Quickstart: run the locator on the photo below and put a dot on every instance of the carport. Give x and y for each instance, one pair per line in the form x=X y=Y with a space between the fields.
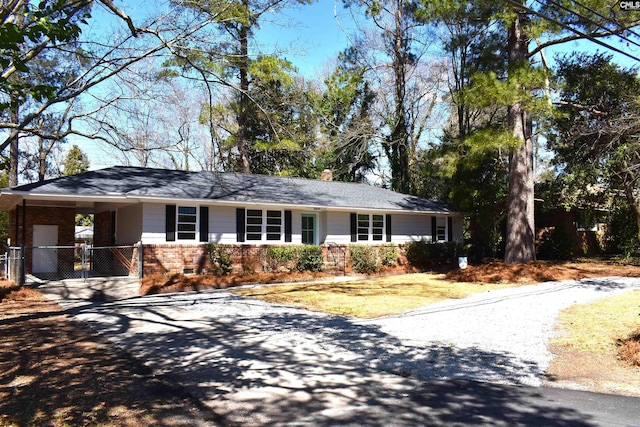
x=42 y=239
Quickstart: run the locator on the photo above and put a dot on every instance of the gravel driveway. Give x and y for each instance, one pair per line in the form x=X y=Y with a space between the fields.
x=247 y=358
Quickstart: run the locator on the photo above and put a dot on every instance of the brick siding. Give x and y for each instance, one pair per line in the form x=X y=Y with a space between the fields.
x=64 y=218
x=174 y=258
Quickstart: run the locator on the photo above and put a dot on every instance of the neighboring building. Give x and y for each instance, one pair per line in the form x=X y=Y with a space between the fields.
x=83 y=234
x=170 y=215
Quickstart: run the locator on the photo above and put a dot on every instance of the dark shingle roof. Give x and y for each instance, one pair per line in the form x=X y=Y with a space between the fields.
x=229 y=187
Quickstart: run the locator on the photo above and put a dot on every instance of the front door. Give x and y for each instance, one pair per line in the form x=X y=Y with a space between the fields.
x=45 y=259
x=309 y=225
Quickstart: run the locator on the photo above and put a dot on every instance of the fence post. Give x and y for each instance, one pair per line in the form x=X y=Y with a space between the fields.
x=140 y=259
x=23 y=266
x=83 y=261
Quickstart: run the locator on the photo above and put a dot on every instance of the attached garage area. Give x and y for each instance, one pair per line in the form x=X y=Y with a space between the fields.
x=42 y=243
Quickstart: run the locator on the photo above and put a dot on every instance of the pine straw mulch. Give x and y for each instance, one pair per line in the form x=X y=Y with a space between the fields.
x=57 y=372
x=629 y=348
x=541 y=271
x=161 y=283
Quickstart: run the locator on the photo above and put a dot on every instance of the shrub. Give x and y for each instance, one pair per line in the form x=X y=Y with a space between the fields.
x=428 y=255
x=388 y=256
x=279 y=256
x=555 y=244
x=220 y=257
x=622 y=236
x=309 y=258
x=363 y=259
x=417 y=254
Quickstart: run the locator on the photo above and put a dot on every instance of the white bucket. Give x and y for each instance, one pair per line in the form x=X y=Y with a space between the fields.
x=462 y=262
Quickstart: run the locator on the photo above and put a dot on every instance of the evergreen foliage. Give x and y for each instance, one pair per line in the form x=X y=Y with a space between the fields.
x=75 y=162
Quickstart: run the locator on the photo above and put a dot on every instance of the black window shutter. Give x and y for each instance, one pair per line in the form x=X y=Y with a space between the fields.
x=388 y=227
x=204 y=223
x=354 y=227
x=240 y=219
x=287 y=226
x=170 y=224
x=450 y=229
x=434 y=235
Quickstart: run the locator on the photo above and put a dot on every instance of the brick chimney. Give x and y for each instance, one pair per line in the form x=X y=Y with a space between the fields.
x=326 y=175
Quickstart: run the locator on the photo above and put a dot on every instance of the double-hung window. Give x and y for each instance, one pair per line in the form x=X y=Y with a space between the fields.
x=274 y=225
x=187 y=222
x=370 y=227
x=264 y=225
x=254 y=224
x=377 y=227
x=441 y=229
x=363 y=227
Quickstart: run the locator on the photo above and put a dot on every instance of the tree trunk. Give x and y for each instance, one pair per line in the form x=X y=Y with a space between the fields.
x=633 y=202
x=14 y=146
x=243 y=134
x=399 y=153
x=520 y=239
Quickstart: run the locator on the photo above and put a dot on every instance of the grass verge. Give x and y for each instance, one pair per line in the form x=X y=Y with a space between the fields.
x=597 y=326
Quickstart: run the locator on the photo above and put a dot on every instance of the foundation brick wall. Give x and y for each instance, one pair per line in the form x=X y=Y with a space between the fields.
x=173 y=258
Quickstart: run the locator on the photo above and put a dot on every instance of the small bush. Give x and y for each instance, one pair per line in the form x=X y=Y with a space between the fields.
x=309 y=258
x=221 y=259
x=364 y=259
x=622 y=236
x=429 y=255
x=555 y=244
x=417 y=254
x=279 y=256
x=629 y=348
x=388 y=256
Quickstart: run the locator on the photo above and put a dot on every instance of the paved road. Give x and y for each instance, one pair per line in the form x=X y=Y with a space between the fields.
x=259 y=364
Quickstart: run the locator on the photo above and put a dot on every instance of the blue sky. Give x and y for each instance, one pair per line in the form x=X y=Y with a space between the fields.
x=315 y=36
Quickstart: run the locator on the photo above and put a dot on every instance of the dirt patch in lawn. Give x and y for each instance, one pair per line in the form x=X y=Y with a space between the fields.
x=57 y=372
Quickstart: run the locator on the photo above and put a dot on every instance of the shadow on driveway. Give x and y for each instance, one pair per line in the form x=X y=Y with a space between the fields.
x=257 y=364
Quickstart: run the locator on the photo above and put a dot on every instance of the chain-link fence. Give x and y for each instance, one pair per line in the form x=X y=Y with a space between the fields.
x=4 y=266
x=67 y=262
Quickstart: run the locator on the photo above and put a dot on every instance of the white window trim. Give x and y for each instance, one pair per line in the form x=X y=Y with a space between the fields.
x=446 y=229
x=370 y=228
x=263 y=232
x=314 y=215
x=197 y=230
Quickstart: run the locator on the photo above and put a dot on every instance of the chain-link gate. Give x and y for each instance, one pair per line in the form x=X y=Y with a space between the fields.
x=68 y=262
